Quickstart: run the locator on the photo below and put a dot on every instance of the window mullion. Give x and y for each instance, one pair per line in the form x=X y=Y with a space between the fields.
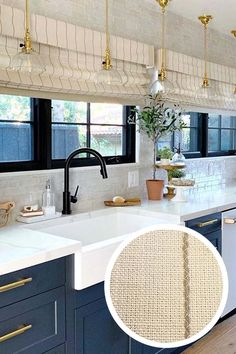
x=42 y=116
x=203 y=136
x=88 y=133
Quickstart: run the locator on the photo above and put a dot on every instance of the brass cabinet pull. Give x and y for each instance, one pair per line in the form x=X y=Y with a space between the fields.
x=15 y=333
x=15 y=284
x=229 y=221
x=207 y=223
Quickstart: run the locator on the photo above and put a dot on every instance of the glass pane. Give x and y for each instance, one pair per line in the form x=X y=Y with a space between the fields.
x=66 y=138
x=103 y=113
x=228 y=122
x=20 y=137
x=107 y=140
x=227 y=139
x=188 y=139
x=214 y=120
x=213 y=140
x=69 y=112
x=191 y=119
x=165 y=141
x=15 y=108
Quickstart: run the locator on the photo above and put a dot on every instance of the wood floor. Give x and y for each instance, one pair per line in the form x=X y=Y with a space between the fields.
x=221 y=340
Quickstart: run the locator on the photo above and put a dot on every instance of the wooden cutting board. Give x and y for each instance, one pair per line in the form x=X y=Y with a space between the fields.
x=128 y=202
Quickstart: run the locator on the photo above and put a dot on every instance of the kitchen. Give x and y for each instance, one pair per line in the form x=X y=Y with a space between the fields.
x=46 y=115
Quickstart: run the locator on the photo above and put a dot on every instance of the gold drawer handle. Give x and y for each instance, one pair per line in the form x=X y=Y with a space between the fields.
x=15 y=284
x=207 y=223
x=15 y=333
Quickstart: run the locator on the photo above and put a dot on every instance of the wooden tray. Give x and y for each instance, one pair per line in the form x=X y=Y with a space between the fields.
x=128 y=202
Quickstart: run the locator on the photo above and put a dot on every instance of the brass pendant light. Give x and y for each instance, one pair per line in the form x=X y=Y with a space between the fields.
x=206 y=90
x=162 y=86
x=234 y=91
x=108 y=74
x=27 y=59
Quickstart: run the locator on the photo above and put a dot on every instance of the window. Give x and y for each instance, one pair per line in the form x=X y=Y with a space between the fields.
x=16 y=128
x=40 y=133
x=96 y=125
x=221 y=133
x=204 y=135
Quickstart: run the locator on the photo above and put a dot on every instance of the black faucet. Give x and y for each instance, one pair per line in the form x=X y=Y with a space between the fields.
x=67 y=198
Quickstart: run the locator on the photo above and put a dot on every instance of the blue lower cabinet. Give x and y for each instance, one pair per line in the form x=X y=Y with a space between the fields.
x=58 y=350
x=35 y=325
x=97 y=332
x=139 y=348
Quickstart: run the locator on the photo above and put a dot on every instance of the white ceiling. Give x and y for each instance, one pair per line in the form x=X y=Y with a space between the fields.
x=223 y=11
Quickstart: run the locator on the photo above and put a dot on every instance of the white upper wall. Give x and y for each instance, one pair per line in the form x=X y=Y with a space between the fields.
x=139 y=20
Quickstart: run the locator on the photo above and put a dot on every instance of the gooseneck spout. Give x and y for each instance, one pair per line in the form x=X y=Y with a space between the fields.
x=67 y=198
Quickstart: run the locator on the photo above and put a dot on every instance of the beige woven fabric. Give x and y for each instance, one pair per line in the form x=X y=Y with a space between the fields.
x=166 y=285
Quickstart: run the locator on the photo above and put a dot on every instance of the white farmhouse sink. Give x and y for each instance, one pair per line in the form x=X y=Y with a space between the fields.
x=100 y=233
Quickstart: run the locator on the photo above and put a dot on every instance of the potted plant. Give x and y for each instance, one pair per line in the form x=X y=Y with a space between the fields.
x=156 y=120
x=165 y=155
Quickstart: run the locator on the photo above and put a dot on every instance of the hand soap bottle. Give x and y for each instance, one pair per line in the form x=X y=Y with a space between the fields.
x=48 y=205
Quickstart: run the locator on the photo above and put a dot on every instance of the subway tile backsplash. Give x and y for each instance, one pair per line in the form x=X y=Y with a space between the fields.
x=27 y=187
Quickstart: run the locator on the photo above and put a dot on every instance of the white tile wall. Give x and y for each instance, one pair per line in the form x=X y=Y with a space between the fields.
x=27 y=187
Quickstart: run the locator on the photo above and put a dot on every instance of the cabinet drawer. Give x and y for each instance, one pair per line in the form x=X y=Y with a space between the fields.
x=42 y=317
x=205 y=224
x=31 y=281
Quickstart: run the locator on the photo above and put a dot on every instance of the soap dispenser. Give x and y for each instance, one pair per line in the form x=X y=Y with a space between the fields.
x=48 y=205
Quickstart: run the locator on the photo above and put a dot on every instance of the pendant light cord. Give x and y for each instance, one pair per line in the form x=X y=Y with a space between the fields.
x=27 y=16
x=107 y=60
x=27 y=48
x=107 y=26
x=163 y=50
x=205 y=51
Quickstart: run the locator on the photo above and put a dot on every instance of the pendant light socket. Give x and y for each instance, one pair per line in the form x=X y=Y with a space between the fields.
x=205 y=19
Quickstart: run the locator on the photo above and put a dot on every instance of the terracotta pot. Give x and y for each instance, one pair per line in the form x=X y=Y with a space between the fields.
x=155 y=189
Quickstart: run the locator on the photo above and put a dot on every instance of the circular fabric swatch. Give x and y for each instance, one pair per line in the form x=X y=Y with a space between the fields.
x=165 y=286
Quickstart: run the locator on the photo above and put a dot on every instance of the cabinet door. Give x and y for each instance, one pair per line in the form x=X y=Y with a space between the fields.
x=97 y=332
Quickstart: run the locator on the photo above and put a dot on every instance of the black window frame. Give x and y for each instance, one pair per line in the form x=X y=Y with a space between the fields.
x=203 y=141
x=41 y=110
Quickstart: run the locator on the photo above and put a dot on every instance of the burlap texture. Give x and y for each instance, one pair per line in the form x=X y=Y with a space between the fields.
x=166 y=285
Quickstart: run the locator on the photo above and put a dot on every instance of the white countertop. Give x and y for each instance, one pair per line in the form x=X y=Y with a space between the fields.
x=20 y=248
x=200 y=202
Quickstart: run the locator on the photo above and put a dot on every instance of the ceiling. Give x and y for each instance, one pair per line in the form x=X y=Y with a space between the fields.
x=223 y=11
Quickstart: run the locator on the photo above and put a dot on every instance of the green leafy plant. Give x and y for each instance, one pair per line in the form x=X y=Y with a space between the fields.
x=175 y=174
x=165 y=153
x=156 y=120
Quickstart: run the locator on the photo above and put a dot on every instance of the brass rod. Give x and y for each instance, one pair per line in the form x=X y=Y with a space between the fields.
x=27 y=16
x=207 y=223
x=14 y=285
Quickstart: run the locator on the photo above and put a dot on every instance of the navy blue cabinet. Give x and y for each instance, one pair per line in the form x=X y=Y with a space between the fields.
x=32 y=310
x=96 y=331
